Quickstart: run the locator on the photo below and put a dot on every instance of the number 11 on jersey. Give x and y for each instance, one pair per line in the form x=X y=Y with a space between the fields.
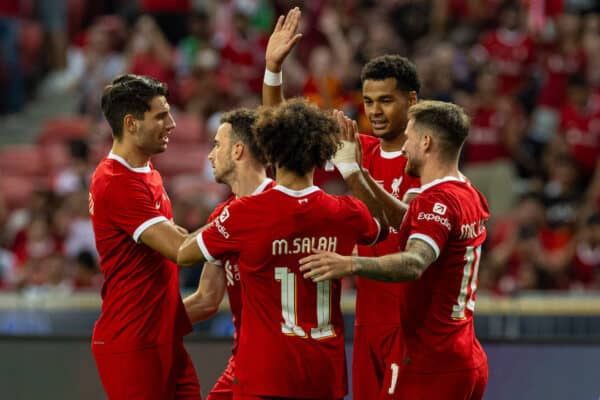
x=290 y=326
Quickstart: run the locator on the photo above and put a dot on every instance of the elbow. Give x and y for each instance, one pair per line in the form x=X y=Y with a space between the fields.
x=183 y=259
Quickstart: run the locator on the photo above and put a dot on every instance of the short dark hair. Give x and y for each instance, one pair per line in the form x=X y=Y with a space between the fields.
x=129 y=94
x=242 y=120
x=448 y=121
x=393 y=66
x=297 y=135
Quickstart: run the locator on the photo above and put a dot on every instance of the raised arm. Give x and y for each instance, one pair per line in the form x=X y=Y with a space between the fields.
x=205 y=301
x=281 y=42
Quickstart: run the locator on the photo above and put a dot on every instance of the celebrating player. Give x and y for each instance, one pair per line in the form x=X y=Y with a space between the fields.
x=441 y=235
x=390 y=85
x=137 y=341
x=238 y=162
x=292 y=334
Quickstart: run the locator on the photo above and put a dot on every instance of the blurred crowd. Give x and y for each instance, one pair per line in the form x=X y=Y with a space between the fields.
x=526 y=71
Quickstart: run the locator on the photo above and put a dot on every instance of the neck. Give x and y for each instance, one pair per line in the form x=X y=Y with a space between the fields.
x=394 y=144
x=437 y=169
x=248 y=179
x=133 y=156
x=291 y=180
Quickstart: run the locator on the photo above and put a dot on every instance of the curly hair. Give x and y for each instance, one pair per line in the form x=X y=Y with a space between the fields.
x=393 y=66
x=297 y=135
x=241 y=121
x=448 y=121
x=129 y=94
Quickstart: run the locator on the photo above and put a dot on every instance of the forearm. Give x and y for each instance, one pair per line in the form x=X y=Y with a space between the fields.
x=397 y=267
x=199 y=308
x=393 y=208
x=272 y=95
x=361 y=190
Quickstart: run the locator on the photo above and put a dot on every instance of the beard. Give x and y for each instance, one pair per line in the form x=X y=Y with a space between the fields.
x=412 y=169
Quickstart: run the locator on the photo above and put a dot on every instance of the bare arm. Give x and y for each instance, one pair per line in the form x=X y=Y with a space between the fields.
x=408 y=265
x=189 y=252
x=164 y=237
x=204 y=302
x=281 y=42
x=394 y=209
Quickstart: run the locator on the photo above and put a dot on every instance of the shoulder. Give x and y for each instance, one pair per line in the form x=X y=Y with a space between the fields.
x=368 y=141
x=219 y=208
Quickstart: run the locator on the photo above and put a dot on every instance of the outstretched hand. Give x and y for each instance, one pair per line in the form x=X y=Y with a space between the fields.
x=325 y=265
x=283 y=39
x=348 y=158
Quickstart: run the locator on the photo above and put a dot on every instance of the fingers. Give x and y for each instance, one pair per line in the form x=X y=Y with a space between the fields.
x=292 y=19
x=279 y=23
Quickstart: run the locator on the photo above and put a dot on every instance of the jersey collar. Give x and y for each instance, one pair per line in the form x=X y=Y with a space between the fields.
x=390 y=154
x=297 y=193
x=261 y=188
x=145 y=169
x=441 y=180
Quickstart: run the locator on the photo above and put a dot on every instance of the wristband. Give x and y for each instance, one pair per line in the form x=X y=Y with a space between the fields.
x=273 y=78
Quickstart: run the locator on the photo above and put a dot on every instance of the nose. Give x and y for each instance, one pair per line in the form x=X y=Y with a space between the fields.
x=211 y=155
x=170 y=122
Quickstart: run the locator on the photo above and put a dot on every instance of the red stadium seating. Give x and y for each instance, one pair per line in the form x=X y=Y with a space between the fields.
x=22 y=160
x=181 y=159
x=188 y=129
x=60 y=130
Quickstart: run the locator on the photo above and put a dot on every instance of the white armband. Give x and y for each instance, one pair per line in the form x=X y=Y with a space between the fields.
x=273 y=78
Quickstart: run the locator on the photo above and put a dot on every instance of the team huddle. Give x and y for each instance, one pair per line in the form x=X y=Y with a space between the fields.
x=279 y=247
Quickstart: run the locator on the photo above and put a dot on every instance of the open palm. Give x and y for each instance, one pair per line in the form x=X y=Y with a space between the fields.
x=283 y=39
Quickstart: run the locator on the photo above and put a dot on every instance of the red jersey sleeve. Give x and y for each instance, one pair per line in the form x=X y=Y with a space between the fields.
x=132 y=207
x=368 y=228
x=226 y=234
x=430 y=220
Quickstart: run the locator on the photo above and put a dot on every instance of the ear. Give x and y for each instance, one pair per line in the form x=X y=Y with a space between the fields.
x=412 y=98
x=427 y=142
x=130 y=124
x=237 y=150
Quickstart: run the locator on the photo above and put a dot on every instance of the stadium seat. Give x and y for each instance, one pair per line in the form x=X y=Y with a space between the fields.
x=181 y=159
x=60 y=130
x=23 y=160
x=56 y=157
x=188 y=129
x=16 y=190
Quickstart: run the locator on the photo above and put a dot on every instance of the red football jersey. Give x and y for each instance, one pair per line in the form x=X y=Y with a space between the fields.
x=378 y=302
x=512 y=53
x=581 y=130
x=232 y=273
x=485 y=142
x=292 y=335
x=437 y=309
x=141 y=303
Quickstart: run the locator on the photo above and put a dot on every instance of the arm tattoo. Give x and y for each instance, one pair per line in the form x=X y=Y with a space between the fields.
x=408 y=265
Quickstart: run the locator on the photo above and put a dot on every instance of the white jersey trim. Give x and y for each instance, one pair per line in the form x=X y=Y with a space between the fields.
x=204 y=250
x=262 y=186
x=378 y=232
x=297 y=193
x=140 y=229
x=428 y=240
x=441 y=180
x=388 y=155
x=145 y=169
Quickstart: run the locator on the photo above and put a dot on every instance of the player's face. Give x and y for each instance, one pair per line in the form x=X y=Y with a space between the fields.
x=412 y=151
x=386 y=107
x=220 y=155
x=152 y=135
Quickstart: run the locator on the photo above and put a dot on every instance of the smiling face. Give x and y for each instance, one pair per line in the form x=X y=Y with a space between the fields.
x=413 y=150
x=152 y=133
x=386 y=107
x=220 y=156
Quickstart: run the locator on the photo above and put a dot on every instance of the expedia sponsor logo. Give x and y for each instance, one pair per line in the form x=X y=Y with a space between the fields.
x=436 y=218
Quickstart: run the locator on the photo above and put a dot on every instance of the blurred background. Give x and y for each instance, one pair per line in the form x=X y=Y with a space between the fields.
x=526 y=71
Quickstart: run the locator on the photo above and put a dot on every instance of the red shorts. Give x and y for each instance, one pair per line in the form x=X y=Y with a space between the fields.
x=155 y=373
x=223 y=389
x=371 y=356
x=460 y=385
